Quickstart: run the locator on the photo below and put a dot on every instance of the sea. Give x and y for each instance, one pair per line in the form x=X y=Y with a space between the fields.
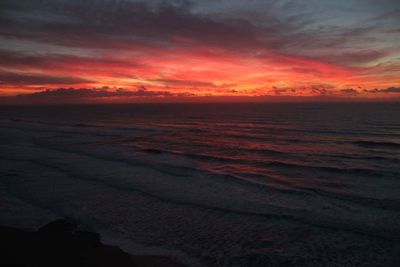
x=221 y=184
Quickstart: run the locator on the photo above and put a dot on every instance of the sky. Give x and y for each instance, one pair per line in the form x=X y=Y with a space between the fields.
x=134 y=49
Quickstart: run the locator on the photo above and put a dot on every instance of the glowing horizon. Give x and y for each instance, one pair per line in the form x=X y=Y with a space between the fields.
x=200 y=48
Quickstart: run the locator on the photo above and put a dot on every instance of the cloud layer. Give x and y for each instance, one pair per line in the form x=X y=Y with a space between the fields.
x=257 y=48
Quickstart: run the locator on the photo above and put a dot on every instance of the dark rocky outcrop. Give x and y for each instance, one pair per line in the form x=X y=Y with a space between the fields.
x=60 y=243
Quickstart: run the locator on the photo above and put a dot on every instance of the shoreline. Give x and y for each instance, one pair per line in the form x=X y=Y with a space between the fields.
x=61 y=243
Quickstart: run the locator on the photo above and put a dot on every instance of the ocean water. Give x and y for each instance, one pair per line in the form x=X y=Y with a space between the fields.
x=279 y=184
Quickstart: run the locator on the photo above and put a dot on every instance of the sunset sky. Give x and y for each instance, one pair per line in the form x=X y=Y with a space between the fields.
x=107 y=49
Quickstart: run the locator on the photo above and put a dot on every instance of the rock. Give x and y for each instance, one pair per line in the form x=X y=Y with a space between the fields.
x=59 y=227
x=60 y=244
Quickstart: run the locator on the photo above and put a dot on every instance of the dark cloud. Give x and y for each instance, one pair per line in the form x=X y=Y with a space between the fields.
x=396 y=31
x=388 y=15
x=123 y=24
x=146 y=41
x=37 y=79
x=358 y=57
x=322 y=86
x=25 y=61
x=112 y=24
x=320 y=91
x=280 y=91
x=350 y=91
x=386 y=90
x=99 y=93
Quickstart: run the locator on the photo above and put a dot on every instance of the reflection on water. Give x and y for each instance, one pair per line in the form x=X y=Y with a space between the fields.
x=334 y=166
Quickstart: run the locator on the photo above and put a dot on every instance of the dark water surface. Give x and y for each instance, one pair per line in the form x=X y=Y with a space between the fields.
x=214 y=184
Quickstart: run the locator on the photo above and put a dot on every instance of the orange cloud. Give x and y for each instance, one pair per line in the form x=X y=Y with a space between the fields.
x=171 y=49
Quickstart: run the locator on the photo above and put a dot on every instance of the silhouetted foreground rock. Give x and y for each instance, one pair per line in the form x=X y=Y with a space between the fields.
x=59 y=243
